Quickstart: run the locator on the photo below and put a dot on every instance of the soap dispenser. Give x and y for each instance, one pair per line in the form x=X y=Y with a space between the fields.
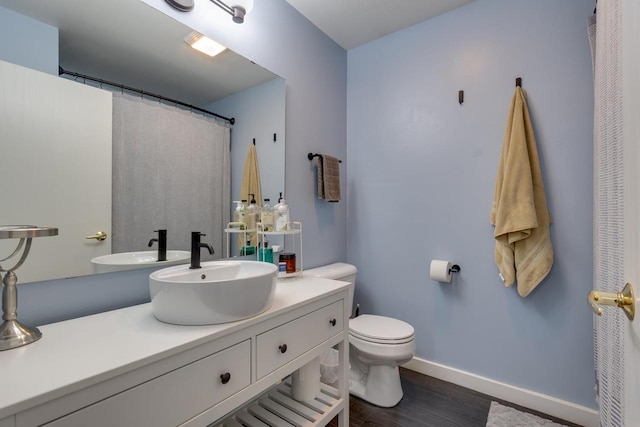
x=240 y=214
x=266 y=216
x=281 y=215
x=253 y=213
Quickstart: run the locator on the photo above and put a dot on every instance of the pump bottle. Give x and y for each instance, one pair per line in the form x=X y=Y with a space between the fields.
x=266 y=216
x=281 y=215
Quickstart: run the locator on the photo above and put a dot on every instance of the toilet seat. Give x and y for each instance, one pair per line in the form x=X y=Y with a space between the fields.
x=381 y=330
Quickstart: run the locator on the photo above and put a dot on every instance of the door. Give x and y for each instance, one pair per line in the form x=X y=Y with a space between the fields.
x=631 y=138
x=55 y=139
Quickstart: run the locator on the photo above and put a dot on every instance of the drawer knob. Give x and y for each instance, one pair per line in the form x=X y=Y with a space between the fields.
x=333 y=322
x=283 y=348
x=225 y=377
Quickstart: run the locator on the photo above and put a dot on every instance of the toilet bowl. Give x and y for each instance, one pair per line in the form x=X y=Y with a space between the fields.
x=377 y=346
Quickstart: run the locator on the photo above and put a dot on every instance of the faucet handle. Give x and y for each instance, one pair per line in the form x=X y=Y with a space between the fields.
x=195 y=238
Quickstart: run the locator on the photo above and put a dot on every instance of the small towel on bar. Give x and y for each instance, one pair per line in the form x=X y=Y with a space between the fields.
x=519 y=213
x=328 y=178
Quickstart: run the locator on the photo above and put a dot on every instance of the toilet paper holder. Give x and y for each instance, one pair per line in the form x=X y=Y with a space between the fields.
x=455 y=268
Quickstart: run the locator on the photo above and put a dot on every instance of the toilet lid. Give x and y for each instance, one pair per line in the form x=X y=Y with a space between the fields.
x=379 y=328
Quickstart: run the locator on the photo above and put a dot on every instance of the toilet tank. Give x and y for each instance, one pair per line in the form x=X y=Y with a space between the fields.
x=337 y=271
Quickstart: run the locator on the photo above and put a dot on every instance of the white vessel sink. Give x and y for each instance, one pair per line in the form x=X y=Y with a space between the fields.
x=141 y=259
x=218 y=292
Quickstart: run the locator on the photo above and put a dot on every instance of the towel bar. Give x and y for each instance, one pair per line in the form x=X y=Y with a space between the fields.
x=310 y=156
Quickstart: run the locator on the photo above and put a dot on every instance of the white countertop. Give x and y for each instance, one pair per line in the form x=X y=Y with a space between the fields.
x=77 y=353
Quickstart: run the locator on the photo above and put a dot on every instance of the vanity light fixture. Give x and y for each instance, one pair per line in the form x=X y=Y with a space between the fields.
x=236 y=8
x=204 y=44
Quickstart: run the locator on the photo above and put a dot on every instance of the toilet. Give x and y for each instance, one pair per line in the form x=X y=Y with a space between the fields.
x=377 y=346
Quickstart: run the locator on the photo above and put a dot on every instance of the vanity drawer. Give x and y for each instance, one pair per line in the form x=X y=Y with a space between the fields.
x=173 y=398
x=286 y=342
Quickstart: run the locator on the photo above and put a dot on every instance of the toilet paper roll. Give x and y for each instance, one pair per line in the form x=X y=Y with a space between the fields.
x=305 y=382
x=440 y=271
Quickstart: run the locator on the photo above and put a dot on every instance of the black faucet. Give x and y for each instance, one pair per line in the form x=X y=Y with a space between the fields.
x=162 y=244
x=195 y=248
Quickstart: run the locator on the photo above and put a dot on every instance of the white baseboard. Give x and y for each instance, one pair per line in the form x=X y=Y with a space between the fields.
x=530 y=399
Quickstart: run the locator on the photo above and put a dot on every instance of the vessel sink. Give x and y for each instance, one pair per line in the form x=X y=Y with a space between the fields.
x=218 y=292
x=141 y=259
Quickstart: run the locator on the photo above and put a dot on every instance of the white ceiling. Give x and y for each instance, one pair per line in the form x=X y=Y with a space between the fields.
x=352 y=23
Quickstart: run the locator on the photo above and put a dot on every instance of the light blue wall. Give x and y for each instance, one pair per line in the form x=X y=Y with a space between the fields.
x=28 y=42
x=277 y=37
x=420 y=184
x=259 y=112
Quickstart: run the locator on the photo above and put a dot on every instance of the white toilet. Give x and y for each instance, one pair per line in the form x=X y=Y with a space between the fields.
x=377 y=346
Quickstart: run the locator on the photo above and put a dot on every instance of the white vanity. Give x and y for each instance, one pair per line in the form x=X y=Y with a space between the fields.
x=125 y=368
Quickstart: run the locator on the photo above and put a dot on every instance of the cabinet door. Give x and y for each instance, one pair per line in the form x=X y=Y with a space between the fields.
x=284 y=343
x=173 y=398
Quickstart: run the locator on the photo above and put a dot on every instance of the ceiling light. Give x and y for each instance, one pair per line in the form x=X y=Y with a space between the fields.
x=236 y=8
x=204 y=44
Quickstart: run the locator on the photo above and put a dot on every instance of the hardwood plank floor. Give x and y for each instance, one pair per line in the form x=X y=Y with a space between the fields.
x=429 y=402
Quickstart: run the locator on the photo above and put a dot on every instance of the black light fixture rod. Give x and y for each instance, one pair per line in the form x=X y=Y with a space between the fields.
x=62 y=71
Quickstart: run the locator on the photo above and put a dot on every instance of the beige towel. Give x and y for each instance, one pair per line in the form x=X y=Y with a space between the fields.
x=328 y=178
x=520 y=214
x=250 y=185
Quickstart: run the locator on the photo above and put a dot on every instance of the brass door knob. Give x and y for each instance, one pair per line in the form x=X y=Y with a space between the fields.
x=100 y=236
x=625 y=300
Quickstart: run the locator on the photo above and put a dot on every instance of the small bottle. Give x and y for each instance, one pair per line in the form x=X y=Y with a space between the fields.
x=253 y=213
x=266 y=253
x=266 y=216
x=287 y=263
x=240 y=213
x=281 y=215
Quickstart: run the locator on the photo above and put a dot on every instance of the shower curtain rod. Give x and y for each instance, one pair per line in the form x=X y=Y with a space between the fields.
x=62 y=71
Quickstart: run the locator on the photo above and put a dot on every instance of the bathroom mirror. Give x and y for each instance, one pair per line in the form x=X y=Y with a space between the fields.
x=125 y=41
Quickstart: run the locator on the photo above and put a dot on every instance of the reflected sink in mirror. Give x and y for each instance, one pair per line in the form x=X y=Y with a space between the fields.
x=218 y=292
x=141 y=259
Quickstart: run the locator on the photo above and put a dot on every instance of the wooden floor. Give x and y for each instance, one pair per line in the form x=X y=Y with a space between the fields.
x=429 y=402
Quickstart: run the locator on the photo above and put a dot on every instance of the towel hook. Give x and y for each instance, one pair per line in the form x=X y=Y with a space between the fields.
x=519 y=82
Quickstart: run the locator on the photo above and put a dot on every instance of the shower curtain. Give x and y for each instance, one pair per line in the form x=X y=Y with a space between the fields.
x=606 y=43
x=170 y=171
